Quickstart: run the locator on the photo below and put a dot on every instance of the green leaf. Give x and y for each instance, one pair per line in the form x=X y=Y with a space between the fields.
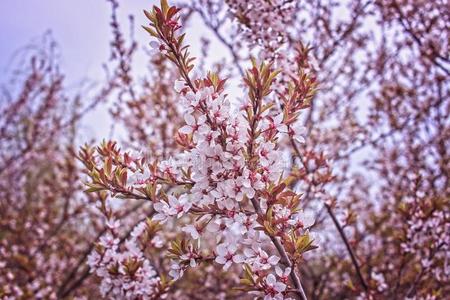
x=94 y=188
x=151 y=31
x=164 y=7
x=149 y=15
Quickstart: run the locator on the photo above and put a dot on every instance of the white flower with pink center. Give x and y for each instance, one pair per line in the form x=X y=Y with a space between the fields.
x=283 y=275
x=302 y=220
x=226 y=255
x=259 y=259
x=273 y=289
x=175 y=207
x=193 y=230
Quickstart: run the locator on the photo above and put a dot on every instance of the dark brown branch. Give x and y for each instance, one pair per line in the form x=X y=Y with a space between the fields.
x=341 y=233
x=349 y=248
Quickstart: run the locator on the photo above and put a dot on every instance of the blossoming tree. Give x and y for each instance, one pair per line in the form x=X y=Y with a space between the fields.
x=229 y=185
x=326 y=177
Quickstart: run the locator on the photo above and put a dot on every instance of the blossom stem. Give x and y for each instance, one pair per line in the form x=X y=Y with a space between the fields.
x=181 y=67
x=284 y=256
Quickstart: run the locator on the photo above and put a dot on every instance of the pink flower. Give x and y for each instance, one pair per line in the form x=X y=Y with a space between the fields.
x=191 y=258
x=273 y=125
x=244 y=223
x=193 y=125
x=108 y=241
x=169 y=168
x=163 y=210
x=302 y=220
x=157 y=241
x=259 y=259
x=226 y=255
x=155 y=47
x=175 y=207
x=267 y=154
x=181 y=205
x=239 y=187
x=220 y=110
x=176 y=271
x=284 y=275
x=179 y=85
x=298 y=131
x=273 y=288
x=191 y=99
x=113 y=224
x=192 y=230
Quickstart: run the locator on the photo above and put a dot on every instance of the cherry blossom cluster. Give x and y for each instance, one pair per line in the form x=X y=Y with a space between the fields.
x=229 y=185
x=222 y=181
x=428 y=225
x=127 y=273
x=232 y=167
x=263 y=23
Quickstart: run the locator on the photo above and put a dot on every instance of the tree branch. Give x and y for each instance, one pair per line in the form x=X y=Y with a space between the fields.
x=341 y=232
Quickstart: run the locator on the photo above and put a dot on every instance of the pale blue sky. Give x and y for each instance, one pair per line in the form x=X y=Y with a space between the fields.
x=81 y=27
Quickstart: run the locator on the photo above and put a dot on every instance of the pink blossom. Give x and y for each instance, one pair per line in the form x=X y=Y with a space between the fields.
x=179 y=85
x=273 y=288
x=283 y=275
x=226 y=254
x=259 y=259
x=175 y=207
x=192 y=230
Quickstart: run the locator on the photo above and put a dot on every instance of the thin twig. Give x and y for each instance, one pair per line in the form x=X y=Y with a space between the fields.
x=349 y=248
x=341 y=233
